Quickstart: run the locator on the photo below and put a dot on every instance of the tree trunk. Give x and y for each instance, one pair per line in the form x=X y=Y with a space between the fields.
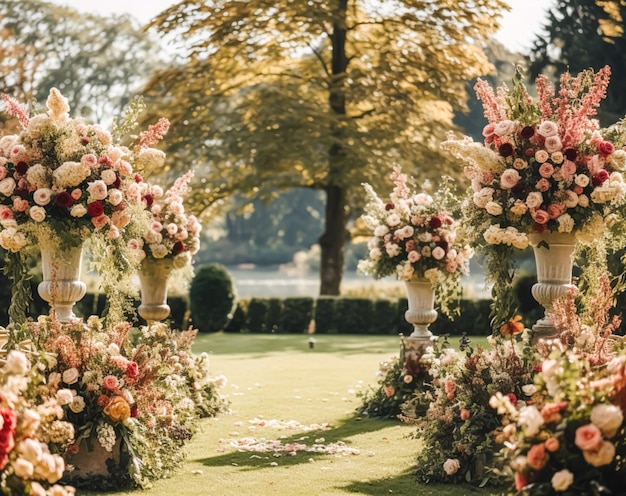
x=333 y=240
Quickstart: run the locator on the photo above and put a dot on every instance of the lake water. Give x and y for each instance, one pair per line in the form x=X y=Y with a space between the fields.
x=276 y=283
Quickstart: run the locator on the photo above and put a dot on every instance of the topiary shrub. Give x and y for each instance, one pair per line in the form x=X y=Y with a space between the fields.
x=256 y=316
x=212 y=298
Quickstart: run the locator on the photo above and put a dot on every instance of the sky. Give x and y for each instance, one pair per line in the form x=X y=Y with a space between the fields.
x=519 y=25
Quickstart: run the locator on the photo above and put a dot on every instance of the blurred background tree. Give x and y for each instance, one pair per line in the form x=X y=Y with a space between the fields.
x=324 y=95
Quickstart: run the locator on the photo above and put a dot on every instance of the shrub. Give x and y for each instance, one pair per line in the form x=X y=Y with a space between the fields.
x=256 y=316
x=325 y=315
x=384 y=318
x=274 y=314
x=356 y=315
x=297 y=314
x=238 y=322
x=212 y=298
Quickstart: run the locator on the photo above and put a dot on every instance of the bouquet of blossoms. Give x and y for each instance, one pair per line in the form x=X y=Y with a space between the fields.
x=544 y=164
x=136 y=392
x=570 y=437
x=26 y=464
x=62 y=179
x=166 y=231
x=415 y=235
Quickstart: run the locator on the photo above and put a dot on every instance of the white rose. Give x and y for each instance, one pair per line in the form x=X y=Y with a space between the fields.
x=493 y=208
x=38 y=214
x=64 y=396
x=562 y=479
x=7 y=186
x=504 y=127
x=583 y=201
x=534 y=199
x=607 y=418
x=70 y=376
x=42 y=196
x=451 y=466
x=375 y=254
x=581 y=180
x=78 y=210
x=78 y=404
x=16 y=363
x=115 y=196
x=381 y=230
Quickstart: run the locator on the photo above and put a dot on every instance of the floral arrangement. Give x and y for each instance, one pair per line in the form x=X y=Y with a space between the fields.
x=401 y=380
x=544 y=167
x=415 y=235
x=136 y=393
x=569 y=437
x=457 y=431
x=64 y=182
x=26 y=463
x=167 y=232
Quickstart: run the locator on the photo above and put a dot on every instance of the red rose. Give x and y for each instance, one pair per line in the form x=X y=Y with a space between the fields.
x=512 y=398
x=529 y=152
x=179 y=247
x=95 y=209
x=21 y=167
x=138 y=178
x=9 y=418
x=570 y=154
x=132 y=370
x=389 y=206
x=148 y=198
x=506 y=149
x=63 y=199
x=106 y=161
x=134 y=411
x=434 y=223
x=527 y=132
x=7 y=442
x=605 y=148
x=117 y=182
x=600 y=177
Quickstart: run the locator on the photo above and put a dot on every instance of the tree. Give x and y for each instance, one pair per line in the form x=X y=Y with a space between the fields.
x=323 y=94
x=96 y=62
x=582 y=34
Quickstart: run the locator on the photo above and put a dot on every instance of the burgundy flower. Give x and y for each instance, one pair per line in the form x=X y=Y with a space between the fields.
x=445 y=245
x=138 y=178
x=506 y=149
x=21 y=192
x=95 y=209
x=21 y=167
x=512 y=398
x=539 y=228
x=148 y=198
x=63 y=199
x=527 y=132
x=389 y=206
x=570 y=154
x=529 y=152
x=179 y=247
x=85 y=140
x=132 y=370
x=434 y=223
x=600 y=177
x=134 y=411
x=118 y=181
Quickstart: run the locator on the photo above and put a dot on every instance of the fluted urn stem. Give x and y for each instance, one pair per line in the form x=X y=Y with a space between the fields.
x=421 y=312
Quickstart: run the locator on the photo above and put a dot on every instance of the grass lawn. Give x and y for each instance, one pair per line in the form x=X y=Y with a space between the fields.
x=277 y=377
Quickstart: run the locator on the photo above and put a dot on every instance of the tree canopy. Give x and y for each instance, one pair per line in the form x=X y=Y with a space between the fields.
x=325 y=94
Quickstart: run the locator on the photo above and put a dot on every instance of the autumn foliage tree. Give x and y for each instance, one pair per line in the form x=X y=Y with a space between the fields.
x=324 y=94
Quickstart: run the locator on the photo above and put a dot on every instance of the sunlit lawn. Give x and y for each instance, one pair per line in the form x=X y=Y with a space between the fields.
x=277 y=377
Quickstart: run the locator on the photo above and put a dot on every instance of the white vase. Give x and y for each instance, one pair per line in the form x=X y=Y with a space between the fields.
x=421 y=312
x=154 y=275
x=61 y=286
x=554 y=259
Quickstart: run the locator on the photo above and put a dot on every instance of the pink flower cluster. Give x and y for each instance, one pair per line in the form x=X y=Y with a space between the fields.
x=545 y=165
x=168 y=231
x=413 y=236
x=63 y=176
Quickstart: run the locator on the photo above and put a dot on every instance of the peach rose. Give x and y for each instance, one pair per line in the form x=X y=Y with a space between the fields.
x=537 y=456
x=552 y=444
x=588 y=438
x=602 y=456
x=118 y=409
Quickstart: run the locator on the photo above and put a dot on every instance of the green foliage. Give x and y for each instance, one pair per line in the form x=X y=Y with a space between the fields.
x=297 y=314
x=256 y=316
x=238 y=322
x=326 y=315
x=212 y=298
x=356 y=315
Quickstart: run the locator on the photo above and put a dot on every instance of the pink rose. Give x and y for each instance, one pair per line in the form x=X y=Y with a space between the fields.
x=5 y=213
x=489 y=130
x=553 y=144
x=555 y=210
x=605 y=148
x=509 y=178
x=540 y=216
x=465 y=414
x=100 y=221
x=588 y=438
x=569 y=168
x=110 y=382
x=547 y=129
x=537 y=456
x=20 y=205
x=76 y=193
x=546 y=170
x=542 y=185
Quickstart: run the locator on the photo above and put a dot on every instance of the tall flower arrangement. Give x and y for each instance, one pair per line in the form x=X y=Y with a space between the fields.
x=415 y=235
x=64 y=181
x=544 y=166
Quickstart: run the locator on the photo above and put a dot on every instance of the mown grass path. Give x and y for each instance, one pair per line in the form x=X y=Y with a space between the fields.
x=278 y=381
